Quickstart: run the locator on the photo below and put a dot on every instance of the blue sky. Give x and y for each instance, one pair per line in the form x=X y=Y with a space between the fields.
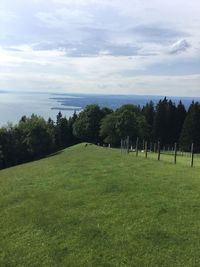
x=96 y=46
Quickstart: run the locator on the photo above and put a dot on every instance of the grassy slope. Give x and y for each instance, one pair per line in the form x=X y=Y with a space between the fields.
x=90 y=206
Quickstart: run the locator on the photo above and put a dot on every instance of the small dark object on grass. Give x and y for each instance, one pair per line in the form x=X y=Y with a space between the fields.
x=88 y=144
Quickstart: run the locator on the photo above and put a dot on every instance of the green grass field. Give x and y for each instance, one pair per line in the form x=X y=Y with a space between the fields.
x=92 y=206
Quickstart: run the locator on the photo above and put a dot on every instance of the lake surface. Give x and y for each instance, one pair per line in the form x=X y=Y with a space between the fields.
x=13 y=105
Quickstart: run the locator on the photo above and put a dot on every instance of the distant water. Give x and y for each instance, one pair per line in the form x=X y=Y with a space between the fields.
x=14 y=105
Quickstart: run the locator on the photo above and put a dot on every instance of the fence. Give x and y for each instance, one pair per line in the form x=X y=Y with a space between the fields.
x=158 y=151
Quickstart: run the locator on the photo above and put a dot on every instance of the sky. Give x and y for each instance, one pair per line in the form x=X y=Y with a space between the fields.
x=143 y=47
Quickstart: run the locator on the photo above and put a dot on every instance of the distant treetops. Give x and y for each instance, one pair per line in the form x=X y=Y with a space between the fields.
x=164 y=122
x=33 y=138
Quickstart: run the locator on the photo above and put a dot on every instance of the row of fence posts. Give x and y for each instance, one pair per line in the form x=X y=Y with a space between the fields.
x=125 y=145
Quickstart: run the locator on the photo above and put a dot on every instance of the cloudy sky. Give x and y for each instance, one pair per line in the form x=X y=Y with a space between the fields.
x=101 y=46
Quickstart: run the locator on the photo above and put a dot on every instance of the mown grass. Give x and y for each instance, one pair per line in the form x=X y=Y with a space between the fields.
x=92 y=206
x=169 y=158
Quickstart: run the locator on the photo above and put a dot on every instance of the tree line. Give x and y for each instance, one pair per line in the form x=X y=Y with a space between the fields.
x=33 y=138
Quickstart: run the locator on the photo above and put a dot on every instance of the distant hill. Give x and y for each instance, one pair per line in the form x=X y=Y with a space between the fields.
x=114 y=101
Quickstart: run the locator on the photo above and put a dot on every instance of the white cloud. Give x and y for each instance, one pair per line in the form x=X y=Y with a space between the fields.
x=179 y=47
x=92 y=45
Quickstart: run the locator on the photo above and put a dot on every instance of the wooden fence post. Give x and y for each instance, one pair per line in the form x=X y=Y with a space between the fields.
x=136 y=148
x=192 y=155
x=145 y=149
x=127 y=144
x=154 y=148
x=175 y=152
x=150 y=146
x=158 y=150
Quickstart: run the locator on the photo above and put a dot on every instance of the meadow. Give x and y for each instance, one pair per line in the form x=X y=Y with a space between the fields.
x=93 y=206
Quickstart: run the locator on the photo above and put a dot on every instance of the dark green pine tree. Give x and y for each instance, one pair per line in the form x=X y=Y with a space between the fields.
x=171 y=114
x=1 y=157
x=72 y=139
x=191 y=129
x=165 y=122
x=62 y=132
x=160 y=127
x=149 y=113
x=180 y=118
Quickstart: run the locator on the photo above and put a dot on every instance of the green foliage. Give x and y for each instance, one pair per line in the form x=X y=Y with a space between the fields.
x=127 y=124
x=191 y=128
x=108 y=130
x=87 y=125
x=165 y=127
x=37 y=136
x=180 y=118
x=90 y=206
x=62 y=131
x=33 y=138
x=8 y=145
x=149 y=113
x=125 y=121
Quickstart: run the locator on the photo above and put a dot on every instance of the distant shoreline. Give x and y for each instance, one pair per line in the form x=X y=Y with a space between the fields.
x=68 y=108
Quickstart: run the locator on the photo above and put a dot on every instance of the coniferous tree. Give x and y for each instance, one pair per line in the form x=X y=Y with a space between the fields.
x=160 y=127
x=180 y=118
x=164 y=128
x=191 y=128
x=1 y=157
x=149 y=112
x=72 y=139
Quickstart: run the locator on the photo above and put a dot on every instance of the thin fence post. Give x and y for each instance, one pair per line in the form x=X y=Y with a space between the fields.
x=154 y=147
x=158 y=150
x=143 y=145
x=136 y=148
x=192 y=155
x=145 y=149
x=175 y=152
x=150 y=146
x=127 y=144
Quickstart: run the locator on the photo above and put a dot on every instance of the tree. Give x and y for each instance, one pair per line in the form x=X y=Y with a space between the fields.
x=1 y=157
x=36 y=136
x=180 y=118
x=191 y=128
x=72 y=139
x=87 y=125
x=164 y=127
x=125 y=121
x=63 y=135
x=149 y=113
x=8 y=146
x=108 y=130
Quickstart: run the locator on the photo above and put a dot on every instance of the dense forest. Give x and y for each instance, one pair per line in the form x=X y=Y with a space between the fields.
x=33 y=138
